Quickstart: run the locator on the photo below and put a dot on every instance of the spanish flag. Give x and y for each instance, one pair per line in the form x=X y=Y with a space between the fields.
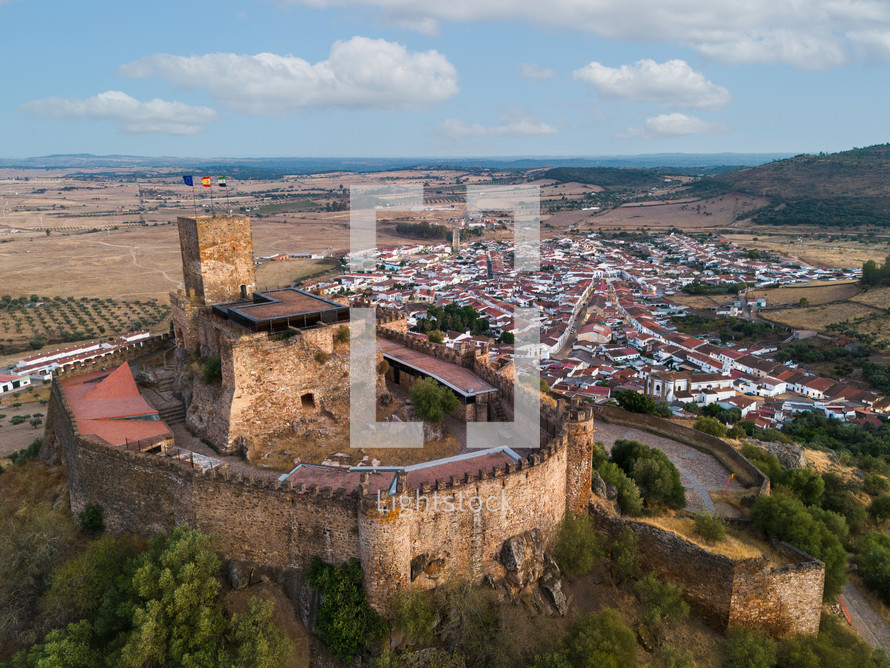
x=205 y=181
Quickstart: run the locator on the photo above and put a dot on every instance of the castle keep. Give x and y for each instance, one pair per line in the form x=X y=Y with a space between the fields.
x=283 y=371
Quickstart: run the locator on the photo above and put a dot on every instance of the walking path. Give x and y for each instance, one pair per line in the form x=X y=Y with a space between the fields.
x=867 y=623
x=699 y=471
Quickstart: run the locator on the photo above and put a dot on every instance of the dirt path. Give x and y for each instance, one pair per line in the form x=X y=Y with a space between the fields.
x=866 y=621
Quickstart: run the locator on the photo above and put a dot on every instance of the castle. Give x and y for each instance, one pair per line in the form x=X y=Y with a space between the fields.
x=283 y=359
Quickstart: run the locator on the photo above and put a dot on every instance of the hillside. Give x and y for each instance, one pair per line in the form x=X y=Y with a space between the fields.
x=846 y=189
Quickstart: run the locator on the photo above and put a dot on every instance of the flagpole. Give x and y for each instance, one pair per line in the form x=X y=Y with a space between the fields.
x=211 y=198
x=194 y=198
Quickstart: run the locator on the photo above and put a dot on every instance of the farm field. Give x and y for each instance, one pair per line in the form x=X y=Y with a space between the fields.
x=18 y=410
x=30 y=323
x=814 y=247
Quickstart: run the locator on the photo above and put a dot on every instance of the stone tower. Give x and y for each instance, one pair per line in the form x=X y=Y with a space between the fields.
x=217 y=258
x=455 y=240
x=579 y=457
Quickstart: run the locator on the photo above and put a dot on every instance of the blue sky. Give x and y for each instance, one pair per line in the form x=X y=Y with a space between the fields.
x=392 y=78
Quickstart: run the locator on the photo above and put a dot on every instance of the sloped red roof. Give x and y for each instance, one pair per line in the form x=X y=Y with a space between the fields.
x=109 y=405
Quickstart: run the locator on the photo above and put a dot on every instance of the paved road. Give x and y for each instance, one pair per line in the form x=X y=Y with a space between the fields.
x=699 y=471
x=866 y=622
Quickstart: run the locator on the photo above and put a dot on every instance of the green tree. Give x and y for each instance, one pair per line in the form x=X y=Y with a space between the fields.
x=176 y=617
x=345 y=620
x=256 y=641
x=602 y=640
x=662 y=602
x=710 y=425
x=709 y=526
x=879 y=509
x=623 y=553
x=814 y=530
x=748 y=648
x=578 y=545
x=432 y=401
x=436 y=336
x=414 y=613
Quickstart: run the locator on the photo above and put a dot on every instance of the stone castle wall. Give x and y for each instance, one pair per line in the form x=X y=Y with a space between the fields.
x=282 y=526
x=782 y=601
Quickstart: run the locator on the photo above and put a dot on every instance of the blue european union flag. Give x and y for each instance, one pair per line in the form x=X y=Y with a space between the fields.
x=188 y=180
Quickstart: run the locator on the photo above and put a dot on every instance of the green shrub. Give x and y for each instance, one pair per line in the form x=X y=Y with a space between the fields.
x=413 y=613
x=748 y=648
x=211 y=370
x=345 y=620
x=814 y=530
x=710 y=527
x=637 y=402
x=835 y=645
x=322 y=357
x=91 y=518
x=879 y=509
x=27 y=454
x=673 y=658
x=602 y=640
x=662 y=602
x=342 y=335
x=578 y=545
x=469 y=620
x=432 y=401
x=629 y=500
x=436 y=336
x=806 y=485
x=875 y=484
x=623 y=553
x=873 y=561
x=17 y=419
x=656 y=476
x=710 y=425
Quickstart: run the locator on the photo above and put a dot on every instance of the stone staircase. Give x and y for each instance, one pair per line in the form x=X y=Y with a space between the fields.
x=173 y=414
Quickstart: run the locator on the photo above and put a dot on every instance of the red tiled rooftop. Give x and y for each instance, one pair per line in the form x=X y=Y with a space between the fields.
x=102 y=401
x=454 y=376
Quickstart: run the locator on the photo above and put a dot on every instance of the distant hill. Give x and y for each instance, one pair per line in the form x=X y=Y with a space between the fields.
x=267 y=167
x=846 y=189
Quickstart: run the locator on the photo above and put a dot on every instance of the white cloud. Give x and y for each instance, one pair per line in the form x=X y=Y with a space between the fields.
x=132 y=116
x=531 y=71
x=516 y=123
x=872 y=44
x=674 y=125
x=811 y=34
x=672 y=84
x=360 y=73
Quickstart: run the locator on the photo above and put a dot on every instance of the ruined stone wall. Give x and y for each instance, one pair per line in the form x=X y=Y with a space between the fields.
x=272 y=377
x=217 y=257
x=782 y=601
x=457 y=527
x=264 y=382
x=737 y=463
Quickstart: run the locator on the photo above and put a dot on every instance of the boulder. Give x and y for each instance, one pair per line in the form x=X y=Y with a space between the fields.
x=599 y=486
x=239 y=574
x=552 y=588
x=523 y=557
x=611 y=492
